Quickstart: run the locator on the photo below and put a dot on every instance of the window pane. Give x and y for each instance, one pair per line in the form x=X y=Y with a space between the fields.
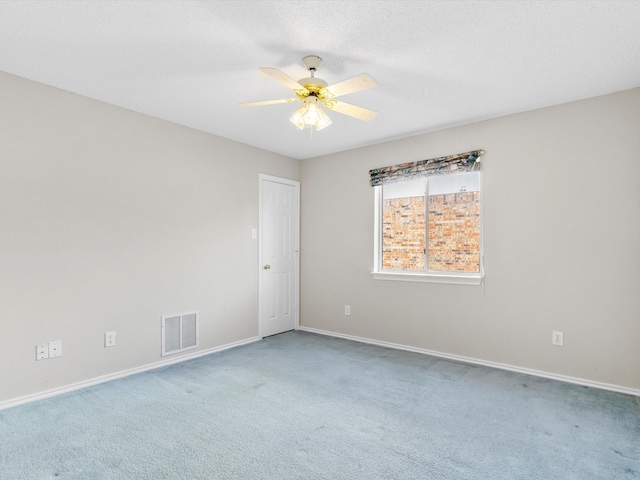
x=454 y=183
x=404 y=226
x=454 y=223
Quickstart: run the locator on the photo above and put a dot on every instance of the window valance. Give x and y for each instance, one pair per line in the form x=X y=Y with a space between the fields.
x=460 y=163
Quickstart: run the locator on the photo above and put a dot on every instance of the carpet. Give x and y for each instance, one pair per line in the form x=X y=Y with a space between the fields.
x=306 y=406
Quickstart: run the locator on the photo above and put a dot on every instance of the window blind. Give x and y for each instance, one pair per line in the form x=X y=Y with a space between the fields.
x=459 y=163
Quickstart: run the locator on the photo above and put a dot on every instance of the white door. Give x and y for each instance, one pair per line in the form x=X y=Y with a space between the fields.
x=279 y=241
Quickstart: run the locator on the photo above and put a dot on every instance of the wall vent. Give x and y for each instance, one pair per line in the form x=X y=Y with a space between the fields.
x=179 y=333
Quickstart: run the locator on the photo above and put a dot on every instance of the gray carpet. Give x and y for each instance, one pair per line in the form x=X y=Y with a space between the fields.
x=305 y=406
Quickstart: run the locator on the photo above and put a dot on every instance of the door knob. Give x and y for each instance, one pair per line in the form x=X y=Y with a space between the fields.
x=267 y=266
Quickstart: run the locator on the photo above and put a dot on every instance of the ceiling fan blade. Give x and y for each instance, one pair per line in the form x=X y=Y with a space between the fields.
x=268 y=102
x=283 y=78
x=355 y=84
x=352 y=110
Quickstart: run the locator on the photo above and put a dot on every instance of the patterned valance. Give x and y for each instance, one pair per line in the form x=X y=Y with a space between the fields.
x=460 y=163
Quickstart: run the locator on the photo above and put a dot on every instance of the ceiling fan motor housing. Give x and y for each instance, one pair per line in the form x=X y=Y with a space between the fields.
x=312 y=82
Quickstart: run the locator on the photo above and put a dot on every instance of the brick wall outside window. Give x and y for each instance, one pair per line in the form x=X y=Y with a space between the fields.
x=403 y=234
x=454 y=233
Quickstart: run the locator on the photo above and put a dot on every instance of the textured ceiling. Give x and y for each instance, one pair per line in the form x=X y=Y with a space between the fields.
x=437 y=63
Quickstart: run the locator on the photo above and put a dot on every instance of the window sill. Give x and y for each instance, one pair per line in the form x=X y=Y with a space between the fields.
x=447 y=278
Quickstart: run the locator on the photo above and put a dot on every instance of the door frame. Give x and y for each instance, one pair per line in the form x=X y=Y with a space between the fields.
x=296 y=297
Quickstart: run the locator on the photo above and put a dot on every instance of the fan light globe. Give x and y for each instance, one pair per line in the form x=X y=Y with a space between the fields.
x=310 y=114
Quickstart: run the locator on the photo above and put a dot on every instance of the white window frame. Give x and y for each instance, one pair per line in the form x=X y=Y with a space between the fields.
x=456 y=278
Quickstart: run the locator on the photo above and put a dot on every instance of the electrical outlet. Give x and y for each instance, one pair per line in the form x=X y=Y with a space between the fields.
x=42 y=351
x=347 y=309
x=109 y=339
x=55 y=349
x=557 y=339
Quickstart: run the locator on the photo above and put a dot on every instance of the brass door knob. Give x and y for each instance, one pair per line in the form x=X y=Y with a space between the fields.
x=267 y=266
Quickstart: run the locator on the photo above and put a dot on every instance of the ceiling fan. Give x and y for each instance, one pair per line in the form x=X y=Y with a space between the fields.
x=315 y=93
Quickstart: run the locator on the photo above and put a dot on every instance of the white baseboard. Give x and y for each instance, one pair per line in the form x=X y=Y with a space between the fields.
x=124 y=373
x=475 y=361
x=163 y=363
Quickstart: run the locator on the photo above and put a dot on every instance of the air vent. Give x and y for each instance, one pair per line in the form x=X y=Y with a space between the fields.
x=179 y=333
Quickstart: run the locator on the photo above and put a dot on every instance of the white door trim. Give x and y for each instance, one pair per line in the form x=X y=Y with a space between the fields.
x=294 y=183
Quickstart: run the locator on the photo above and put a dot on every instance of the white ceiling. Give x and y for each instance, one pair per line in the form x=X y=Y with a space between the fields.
x=437 y=63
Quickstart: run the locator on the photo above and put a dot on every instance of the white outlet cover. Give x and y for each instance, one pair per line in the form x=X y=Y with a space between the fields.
x=557 y=339
x=109 y=339
x=55 y=349
x=42 y=351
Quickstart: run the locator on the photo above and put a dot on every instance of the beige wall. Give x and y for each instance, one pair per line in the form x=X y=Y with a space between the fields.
x=561 y=242
x=110 y=219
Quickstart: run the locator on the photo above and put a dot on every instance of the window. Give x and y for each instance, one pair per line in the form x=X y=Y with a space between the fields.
x=428 y=224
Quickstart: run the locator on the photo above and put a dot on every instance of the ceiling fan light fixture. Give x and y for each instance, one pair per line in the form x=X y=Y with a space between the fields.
x=310 y=115
x=323 y=121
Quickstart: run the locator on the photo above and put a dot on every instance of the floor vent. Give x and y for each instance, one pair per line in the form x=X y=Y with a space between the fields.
x=179 y=333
